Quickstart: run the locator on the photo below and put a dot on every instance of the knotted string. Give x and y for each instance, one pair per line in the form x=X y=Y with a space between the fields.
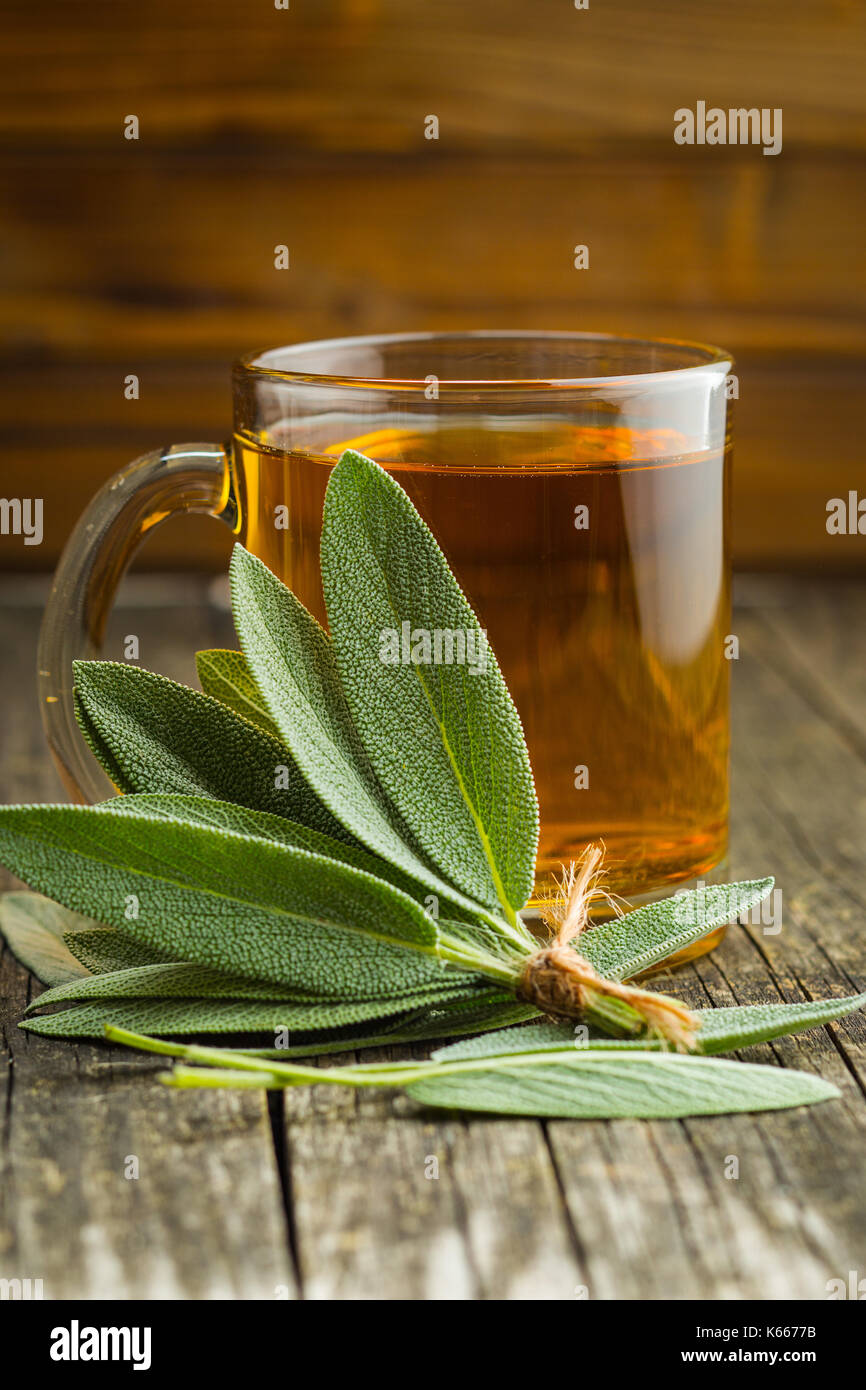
x=564 y=984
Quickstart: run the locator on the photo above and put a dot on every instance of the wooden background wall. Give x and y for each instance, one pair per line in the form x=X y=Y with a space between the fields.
x=306 y=126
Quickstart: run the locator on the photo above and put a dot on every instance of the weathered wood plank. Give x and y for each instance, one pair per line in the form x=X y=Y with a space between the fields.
x=805 y=771
x=204 y=1218
x=655 y=1210
x=519 y=1210
x=199 y=1215
x=794 y=1217
x=360 y=74
x=306 y=126
x=815 y=633
x=666 y=1214
x=391 y=1202
x=728 y=1207
x=429 y=242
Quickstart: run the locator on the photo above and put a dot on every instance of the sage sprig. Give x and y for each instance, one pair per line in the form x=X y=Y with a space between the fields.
x=569 y=1082
x=337 y=838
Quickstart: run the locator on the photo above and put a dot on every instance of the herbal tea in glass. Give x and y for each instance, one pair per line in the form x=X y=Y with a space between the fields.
x=578 y=485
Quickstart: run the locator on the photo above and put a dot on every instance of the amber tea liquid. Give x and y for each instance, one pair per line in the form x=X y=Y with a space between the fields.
x=596 y=559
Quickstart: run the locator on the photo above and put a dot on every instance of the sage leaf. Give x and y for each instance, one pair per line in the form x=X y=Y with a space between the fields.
x=445 y=739
x=182 y=1016
x=104 y=950
x=225 y=675
x=95 y=949
x=185 y=980
x=625 y=946
x=239 y=903
x=224 y=815
x=569 y=1084
x=33 y=927
x=153 y=735
x=720 y=1030
x=292 y=662
x=730 y=1028
x=465 y=1015
x=168 y=980
x=579 y=1084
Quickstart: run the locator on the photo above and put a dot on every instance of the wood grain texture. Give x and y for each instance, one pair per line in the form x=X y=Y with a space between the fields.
x=392 y=1203
x=306 y=127
x=361 y=74
x=205 y=1217
x=648 y=1211
x=762 y=256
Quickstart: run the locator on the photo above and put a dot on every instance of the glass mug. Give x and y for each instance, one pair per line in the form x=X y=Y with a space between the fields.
x=578 y=485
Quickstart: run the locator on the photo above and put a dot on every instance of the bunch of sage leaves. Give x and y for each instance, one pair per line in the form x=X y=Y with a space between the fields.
x=338 y=849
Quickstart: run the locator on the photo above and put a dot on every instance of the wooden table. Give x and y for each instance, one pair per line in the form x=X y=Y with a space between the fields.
x=326 y=1194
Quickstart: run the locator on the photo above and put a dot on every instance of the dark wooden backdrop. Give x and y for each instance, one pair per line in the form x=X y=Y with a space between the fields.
x=306 y=126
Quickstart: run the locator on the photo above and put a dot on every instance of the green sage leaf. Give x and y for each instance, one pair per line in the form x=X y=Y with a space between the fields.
x=169 y=980
x=33 y=927
x=153 y=735
x=225 y=675
x=292 y=661
x=624 y=946
x=219 y=897
x=95 y=949
x=104 y=950
x=581 y=1084
x=571 y=1084
x=465 y=1015
x=167 y=1017
x=224 y=815
x=720 y=1030
x=185 y=980
x=443 y=736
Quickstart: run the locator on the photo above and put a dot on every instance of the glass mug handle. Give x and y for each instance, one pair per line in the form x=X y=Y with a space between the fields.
x=180 y=478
